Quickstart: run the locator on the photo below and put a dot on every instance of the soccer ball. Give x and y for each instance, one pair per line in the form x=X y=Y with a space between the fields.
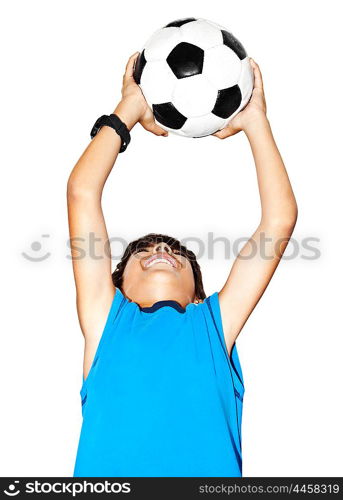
x=195 y=75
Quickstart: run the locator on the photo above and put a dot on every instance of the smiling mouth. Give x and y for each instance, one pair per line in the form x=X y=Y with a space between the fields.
x=166 y=259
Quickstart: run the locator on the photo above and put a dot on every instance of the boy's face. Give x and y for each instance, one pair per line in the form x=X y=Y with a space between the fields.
x=156 y=272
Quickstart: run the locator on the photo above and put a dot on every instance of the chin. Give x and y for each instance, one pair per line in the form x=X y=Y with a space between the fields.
x=161 y=268
x=161 y=273
x=162 y=277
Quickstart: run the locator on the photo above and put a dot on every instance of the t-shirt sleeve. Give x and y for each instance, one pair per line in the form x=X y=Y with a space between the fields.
x=119 y=300
x=117 y=305
x=213 y=312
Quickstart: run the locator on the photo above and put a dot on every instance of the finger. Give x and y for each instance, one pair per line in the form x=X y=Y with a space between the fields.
x=130 y=66
x=258 y=81
x=224 y=133
x=151 y=126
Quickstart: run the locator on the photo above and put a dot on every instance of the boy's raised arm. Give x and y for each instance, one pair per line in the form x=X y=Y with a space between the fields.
x=88 y=235
x=258 y=259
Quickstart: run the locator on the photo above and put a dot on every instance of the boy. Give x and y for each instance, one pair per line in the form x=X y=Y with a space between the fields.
x=162 y=385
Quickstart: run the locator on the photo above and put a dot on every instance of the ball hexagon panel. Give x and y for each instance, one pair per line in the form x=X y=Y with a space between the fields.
x=158 y=82
x=194 y=96
x=216 y=25
x=228 y=101
x=202 y=34
x=186 y=60
x=230 y=41
x=180 y=22
x=221 y=67
x=202 y=125
x=161 y=43
x=166 y=114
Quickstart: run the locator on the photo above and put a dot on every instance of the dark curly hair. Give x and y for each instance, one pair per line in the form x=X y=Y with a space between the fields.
x=174 y=244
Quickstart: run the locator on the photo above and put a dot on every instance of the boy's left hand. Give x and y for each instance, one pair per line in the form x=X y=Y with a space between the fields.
x=254 y=112
x=133 y=107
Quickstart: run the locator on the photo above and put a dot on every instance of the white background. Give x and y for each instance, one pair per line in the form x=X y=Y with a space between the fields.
x=61 y=65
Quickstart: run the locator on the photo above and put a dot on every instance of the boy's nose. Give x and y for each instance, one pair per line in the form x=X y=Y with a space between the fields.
x=161 y=247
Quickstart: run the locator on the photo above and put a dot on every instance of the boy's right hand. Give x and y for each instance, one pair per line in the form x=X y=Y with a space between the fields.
x=251 y=117
x=133 y=107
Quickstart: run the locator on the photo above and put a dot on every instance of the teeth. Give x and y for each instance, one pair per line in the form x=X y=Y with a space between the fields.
x=158 y=260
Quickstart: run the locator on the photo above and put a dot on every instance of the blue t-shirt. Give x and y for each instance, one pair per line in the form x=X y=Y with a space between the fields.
x=162 y=397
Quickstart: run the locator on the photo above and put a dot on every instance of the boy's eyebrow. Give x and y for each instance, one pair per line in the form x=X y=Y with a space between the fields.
x=141 y=246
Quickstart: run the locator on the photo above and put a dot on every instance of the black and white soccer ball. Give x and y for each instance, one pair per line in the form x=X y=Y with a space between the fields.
x=195 y=75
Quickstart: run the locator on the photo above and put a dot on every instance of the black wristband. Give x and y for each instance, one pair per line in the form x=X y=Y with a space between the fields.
x=115 y=122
